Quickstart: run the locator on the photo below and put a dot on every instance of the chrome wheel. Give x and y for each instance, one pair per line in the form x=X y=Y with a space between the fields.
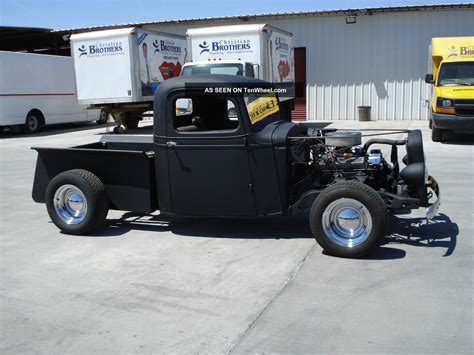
x=70 y=204
x=347 y=222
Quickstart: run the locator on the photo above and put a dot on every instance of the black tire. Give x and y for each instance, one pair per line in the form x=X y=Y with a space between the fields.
x=95 y=195
x=119 y=130
x=103 y=117
x=365 y=196
x=436 y=134
x=131 y=121
x=33 y=122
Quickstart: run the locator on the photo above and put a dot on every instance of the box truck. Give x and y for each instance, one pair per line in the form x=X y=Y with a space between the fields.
x=452 y=99
x=38 y=90
x=259 y=51
x=119 y=70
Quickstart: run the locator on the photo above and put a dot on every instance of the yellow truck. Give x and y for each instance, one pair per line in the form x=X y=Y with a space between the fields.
x=452 y=103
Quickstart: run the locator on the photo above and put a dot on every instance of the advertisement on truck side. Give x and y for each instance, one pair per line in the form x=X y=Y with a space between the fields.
x=161 y=58
x=280 y=59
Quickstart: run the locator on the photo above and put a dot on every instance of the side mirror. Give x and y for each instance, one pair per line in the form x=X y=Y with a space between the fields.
x=429 y=79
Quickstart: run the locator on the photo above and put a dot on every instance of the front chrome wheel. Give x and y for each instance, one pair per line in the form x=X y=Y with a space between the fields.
x=70 y=204
x=347 y=222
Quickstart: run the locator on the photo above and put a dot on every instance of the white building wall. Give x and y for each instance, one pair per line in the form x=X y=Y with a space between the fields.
x=380 y=61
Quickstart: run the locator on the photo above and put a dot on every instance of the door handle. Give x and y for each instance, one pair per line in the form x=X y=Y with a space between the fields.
x=171 y=144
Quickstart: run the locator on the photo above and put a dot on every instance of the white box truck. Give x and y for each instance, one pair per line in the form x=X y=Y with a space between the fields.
x=38 y=90
x=259 y=51
x=119 y=70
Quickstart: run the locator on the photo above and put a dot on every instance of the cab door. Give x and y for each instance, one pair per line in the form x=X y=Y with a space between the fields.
x=208 y=157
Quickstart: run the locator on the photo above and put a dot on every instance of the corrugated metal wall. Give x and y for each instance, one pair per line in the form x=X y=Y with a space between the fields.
x=380 y=61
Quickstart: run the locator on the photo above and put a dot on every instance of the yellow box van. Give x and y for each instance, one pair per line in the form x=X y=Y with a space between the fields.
x=452 y=104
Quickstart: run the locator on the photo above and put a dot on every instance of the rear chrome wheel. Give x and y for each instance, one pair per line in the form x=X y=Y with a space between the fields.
x=347 y=222
x=70 y=204
x=77 y=201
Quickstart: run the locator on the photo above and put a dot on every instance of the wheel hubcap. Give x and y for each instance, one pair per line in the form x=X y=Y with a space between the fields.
x=70 y=204
x=347 y=222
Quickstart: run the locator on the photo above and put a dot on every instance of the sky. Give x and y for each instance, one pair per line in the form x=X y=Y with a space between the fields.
x=66 y=14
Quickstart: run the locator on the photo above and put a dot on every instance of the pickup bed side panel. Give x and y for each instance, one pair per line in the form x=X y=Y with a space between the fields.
x=129 y=176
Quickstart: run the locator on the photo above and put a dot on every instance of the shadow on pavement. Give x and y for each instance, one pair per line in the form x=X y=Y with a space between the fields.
x=380 y=253
x=269 y=228
x=386 y=253
x=440 y=232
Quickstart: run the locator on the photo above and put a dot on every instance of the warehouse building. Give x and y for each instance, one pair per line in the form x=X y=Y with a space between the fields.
x=375 y=57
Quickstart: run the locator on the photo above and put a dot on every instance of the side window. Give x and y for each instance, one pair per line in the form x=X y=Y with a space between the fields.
x=205 y=113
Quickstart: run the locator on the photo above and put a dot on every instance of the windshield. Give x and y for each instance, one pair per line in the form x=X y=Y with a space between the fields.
x=456 y=74
x=214 y=68
x=262 y=110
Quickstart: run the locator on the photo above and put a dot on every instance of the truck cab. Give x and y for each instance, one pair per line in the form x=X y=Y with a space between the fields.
x=452 y=101
x=206 y=162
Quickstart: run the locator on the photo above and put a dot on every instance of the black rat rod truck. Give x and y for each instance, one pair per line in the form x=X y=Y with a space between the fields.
x=207 y=162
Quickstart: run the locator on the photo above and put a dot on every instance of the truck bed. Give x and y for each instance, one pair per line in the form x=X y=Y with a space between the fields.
x=125 y=164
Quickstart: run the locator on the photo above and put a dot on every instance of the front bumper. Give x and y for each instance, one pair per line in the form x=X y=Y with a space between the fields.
x=432 y=208
x=455 y=122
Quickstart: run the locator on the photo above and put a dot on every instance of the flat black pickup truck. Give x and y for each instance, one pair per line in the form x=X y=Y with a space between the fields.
x=231 y=154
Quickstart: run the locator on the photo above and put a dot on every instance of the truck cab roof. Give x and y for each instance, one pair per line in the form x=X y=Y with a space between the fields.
x=178 y=83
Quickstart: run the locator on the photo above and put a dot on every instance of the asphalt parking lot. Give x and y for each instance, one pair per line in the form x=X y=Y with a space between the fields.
x=147 y=284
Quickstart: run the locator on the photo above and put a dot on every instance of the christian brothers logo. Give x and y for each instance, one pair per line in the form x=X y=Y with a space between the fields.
x=225 y=45
x=204 y=46
x=166 y=46
x=463 y=51
x=108 y=48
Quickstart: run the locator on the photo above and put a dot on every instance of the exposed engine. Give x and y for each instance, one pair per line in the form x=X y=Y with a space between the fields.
x=321 y=158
